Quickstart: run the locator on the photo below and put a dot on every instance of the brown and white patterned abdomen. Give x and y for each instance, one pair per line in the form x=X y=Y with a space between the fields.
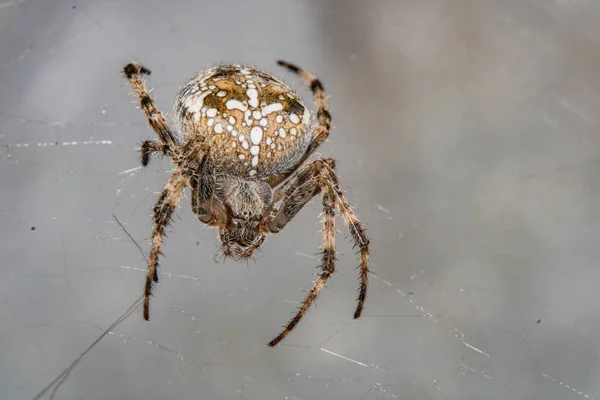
x=255 y=125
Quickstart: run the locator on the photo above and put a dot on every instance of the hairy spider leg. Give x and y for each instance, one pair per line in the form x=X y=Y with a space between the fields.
x=316 y=177
x=359 y=236
x=321 y=131
x=167 y=144
x=163 y=213
x=194 y=154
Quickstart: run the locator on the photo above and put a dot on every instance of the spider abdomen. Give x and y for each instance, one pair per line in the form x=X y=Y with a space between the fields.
x=255 y=125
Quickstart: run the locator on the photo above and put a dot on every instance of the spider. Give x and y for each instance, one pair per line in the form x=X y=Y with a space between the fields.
x=240 y=141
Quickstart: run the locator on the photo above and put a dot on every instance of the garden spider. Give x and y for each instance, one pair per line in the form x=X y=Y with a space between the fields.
x=240 y=142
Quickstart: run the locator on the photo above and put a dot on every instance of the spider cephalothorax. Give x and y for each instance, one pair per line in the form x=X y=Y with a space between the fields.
x=244 y=204
x=240 y=142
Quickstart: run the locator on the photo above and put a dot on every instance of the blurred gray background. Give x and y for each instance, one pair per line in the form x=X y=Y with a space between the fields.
x=466 y=132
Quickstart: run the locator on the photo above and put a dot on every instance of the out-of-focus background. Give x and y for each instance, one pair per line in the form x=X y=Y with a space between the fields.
x=466 y=133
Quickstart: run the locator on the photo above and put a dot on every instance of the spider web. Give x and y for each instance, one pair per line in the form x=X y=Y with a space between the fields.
x=467 y=132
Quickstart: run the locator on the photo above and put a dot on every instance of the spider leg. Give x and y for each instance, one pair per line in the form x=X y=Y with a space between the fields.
x=361 y=241
x=151 y=148
x=163 y=211
x=133 y=73
x=321 y=131
x=319 y=176
x=300 y=191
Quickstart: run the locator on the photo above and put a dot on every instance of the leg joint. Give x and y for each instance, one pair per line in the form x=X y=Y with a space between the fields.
x=316 y=85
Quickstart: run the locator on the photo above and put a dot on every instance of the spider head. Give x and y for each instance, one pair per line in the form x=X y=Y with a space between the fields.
x=245 y=203
x=240 y=239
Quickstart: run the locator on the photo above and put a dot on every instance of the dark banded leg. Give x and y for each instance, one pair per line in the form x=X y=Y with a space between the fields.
x=320 y=98
x=150 y=149
x=167 y=145
x=163 y=211
x=307 y=190
x=361 y=241
x=319 y=176
x=321 y=131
